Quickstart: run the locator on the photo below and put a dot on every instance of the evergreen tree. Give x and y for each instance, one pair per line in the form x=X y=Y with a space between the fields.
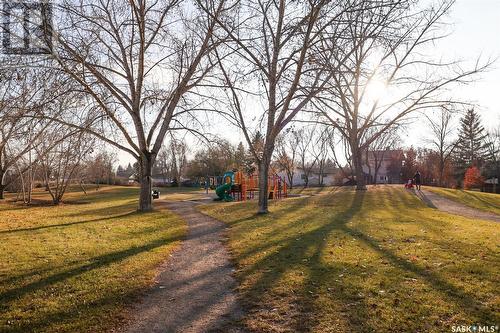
x=258 y=143
x=250 y=164
x=130 y=170
x=239 y=157
x=492 y=166
x=472 y=148
x=120 y=171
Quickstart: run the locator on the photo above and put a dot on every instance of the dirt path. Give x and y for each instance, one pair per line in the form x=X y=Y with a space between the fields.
x=195 y=290
x=436 y=201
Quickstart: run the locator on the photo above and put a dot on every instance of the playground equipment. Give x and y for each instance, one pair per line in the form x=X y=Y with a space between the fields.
x=235 y=185
x=224 y=191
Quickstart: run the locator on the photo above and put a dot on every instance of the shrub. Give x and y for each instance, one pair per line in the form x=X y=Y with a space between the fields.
x=472 y=178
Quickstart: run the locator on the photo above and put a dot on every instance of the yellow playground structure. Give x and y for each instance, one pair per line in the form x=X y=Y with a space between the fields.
x=235 y=185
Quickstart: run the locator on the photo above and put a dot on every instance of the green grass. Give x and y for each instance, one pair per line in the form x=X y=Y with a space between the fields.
x=489 y=202
x=183 y=193
x=175 y=190
x=313 y=190
x=373 y=261
x=76 y=267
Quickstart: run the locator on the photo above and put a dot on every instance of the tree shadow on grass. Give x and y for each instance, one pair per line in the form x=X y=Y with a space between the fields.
x=281 y=213
x=421 y=195
x=479 y=198
x=90 y=315
x=97 y=262
x=106 y=210
x=352 y=305
x=61 y=225
x=467 y=302
x=13 y=206
x=291 y=254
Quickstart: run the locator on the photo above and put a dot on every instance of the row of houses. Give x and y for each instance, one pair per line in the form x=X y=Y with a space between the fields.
x=381 y=166
x=129 y=176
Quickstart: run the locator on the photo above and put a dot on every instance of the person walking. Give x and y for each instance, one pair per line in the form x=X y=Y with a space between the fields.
x=418 y=180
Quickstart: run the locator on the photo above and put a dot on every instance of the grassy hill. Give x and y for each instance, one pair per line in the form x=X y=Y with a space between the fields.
x=489 y=202
x=75 y=267
x=373 y=261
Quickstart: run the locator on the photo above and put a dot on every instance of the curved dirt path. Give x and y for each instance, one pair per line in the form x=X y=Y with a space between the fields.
x=195 y=289
x=436 y=201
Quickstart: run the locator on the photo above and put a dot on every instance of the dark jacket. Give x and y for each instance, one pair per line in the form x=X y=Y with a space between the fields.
x=417 y=178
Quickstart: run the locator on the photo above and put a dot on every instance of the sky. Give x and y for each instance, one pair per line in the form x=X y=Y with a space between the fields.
x=475 y=32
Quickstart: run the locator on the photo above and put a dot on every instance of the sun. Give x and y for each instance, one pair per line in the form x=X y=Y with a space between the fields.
x=375 y=90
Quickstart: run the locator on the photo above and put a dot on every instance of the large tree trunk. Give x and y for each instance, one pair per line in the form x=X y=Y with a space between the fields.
x=378 y=164
x=263 y=177
x=358 y=167
x=441 y=172
x=290 y=179
x=321 y=171
x=56 y=200
x=2 y=185
x=145 y=179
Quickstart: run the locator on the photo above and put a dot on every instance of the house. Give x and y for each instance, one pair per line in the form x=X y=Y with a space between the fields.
x=384 y=166
x=491 y=185
x=380 y=166
x=132 y=179
x=329 y=174
x=157 y=180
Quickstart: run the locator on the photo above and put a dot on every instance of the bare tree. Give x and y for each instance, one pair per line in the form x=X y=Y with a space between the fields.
x=140 y=62
x=287 y=146
x=99 y=168
x=24 y=178
x=387 y=77
x=305 y=154
x=346 y=169
x=493 y=162
x=266 y=68
x=22 y=92
x=60 y=164
x=321 y=150
x=163 y=164
x=178 y=160
x=441 y=130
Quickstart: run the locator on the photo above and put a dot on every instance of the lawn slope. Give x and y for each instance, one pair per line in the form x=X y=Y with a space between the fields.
x=75 y=267
x=488 y=202
x=367 y=261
